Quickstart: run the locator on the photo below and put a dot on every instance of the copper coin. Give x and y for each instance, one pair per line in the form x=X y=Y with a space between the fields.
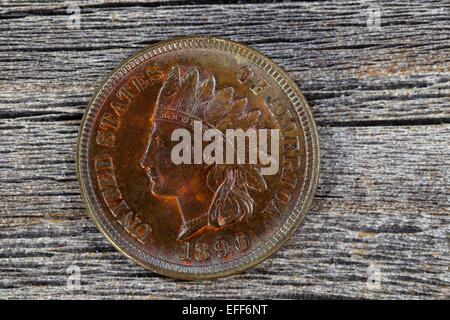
x=198 y=157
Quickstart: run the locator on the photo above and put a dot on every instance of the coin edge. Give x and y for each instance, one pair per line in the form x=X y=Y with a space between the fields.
x=266 y=253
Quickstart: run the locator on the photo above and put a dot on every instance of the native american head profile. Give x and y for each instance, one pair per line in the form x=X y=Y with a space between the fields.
x=212 y=194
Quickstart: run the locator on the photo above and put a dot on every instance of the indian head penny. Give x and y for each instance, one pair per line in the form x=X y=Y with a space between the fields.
x=198 y=157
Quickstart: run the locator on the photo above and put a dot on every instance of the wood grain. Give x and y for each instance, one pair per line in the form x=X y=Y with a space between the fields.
x=380 y=98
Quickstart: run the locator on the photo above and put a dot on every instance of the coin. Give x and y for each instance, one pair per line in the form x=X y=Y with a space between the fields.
x=198 y=157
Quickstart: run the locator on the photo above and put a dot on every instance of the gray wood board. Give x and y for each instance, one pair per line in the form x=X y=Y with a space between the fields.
x=379 y=224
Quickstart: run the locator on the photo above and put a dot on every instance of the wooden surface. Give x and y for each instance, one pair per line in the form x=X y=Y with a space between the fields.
x=379 y=224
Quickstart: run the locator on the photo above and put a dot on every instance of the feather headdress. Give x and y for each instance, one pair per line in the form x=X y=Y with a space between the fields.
x=200 y=100
x=184 y=99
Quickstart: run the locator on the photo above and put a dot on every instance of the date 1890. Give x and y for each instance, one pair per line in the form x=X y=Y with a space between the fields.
x=221 y=248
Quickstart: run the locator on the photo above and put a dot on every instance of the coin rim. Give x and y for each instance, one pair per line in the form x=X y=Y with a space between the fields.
x=266 y=253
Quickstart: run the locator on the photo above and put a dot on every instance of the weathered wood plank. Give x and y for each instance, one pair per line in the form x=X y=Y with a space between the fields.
x=348 y=71
x=379 y=97
x=379 y=203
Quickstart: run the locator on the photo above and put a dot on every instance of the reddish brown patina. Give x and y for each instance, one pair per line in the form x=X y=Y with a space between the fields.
x=204 y=218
